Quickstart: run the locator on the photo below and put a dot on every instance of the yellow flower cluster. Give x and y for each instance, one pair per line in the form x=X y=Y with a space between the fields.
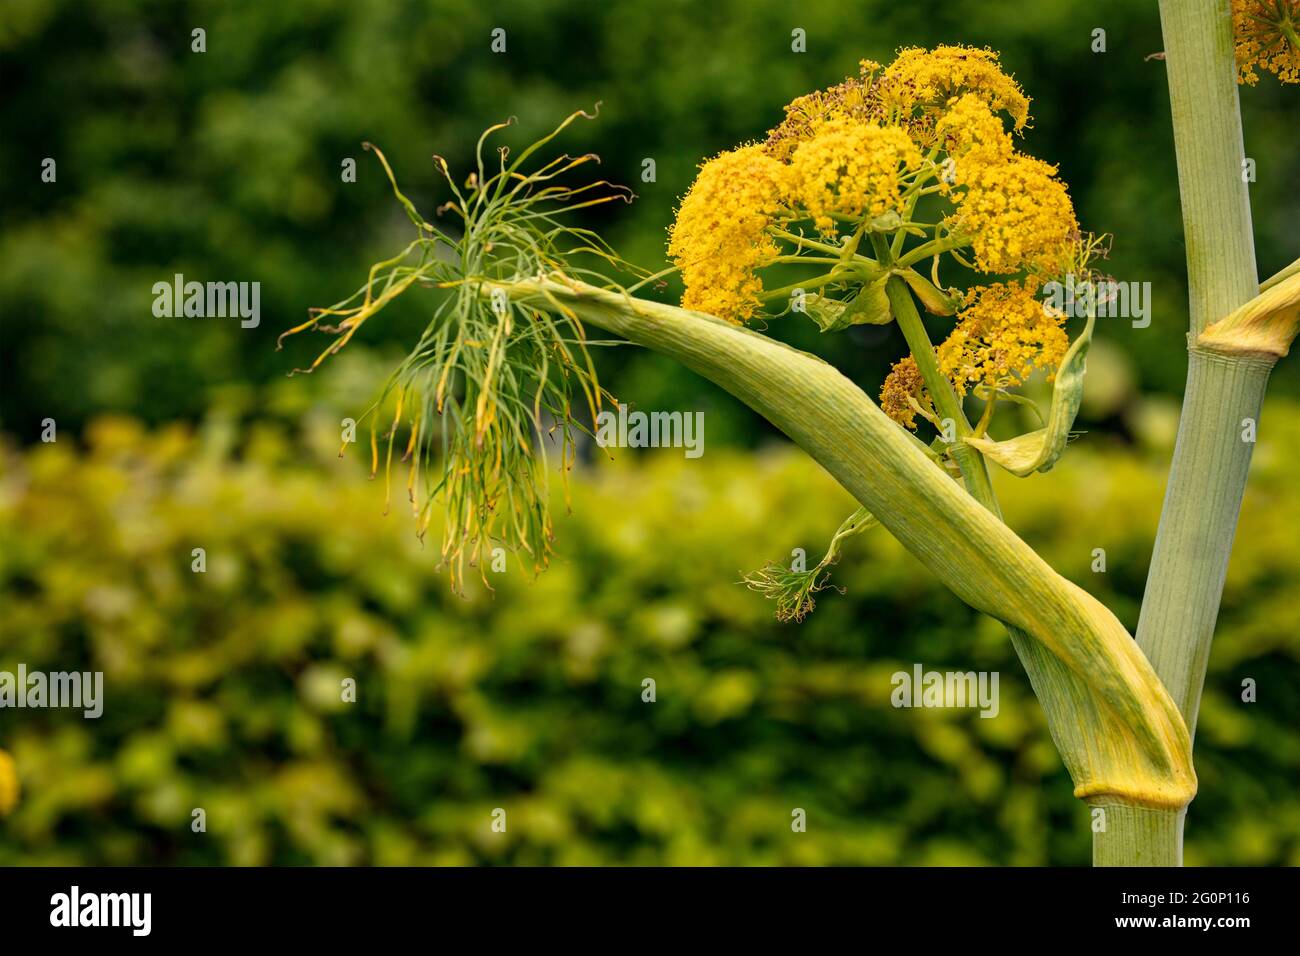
x=850 y=168
x=859 y=150
x=1266 y=35
x=1002 y=336
x=845 y=167
x=1015 y=213
x=930 y=78
x=910 y=93
x=969 y=124
x=902 y=386
x=1013 y=210
x=720 y=238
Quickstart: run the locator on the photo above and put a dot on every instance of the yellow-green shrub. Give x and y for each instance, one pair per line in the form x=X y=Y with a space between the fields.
x=221 y=687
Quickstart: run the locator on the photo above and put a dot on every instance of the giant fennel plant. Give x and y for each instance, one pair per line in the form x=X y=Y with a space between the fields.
x=852 y=210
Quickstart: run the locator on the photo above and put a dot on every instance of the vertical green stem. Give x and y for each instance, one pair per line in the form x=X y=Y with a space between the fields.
x=1199 y=59
x=1136 y=836
x=1208 y=474
x=1199 y=519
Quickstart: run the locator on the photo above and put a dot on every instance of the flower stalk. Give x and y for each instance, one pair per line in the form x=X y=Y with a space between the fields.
x=1227 y=376
x=974 y=471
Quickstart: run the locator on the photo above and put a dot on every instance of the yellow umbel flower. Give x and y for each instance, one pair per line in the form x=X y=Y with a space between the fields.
x=1002 y=336
x=8 y=784
x=1266 y=36
x=930 y=78
x=873 y=145
x=850 y=168
x=1015 y=213
x=720 y=238
x=903 y=386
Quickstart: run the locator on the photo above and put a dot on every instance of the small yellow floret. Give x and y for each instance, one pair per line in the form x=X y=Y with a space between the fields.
x=1002 y=336
x=8 y=784
x=969 y=124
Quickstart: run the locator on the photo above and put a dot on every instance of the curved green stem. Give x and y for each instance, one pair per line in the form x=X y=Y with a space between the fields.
x=804 y=241
x=816 y=282
x=927 y=249
x=1117 y=730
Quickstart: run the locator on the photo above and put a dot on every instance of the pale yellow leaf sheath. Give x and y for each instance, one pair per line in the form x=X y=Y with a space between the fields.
x=1263 y=328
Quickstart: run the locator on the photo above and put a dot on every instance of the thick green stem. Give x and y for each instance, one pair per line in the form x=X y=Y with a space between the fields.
x=1137 y=836
x=1206 y=483
x=1208 y=474
x=1199 y=59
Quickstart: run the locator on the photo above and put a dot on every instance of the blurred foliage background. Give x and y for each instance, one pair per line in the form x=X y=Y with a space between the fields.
x=180 y=433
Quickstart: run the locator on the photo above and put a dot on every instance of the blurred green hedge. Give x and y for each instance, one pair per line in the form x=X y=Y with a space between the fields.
x=222 y=688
